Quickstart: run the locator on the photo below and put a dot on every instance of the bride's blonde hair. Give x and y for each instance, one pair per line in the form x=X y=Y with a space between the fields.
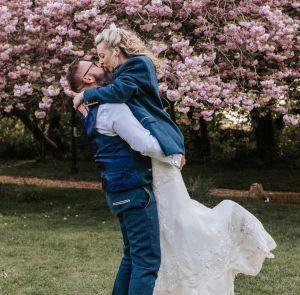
x=128 y=42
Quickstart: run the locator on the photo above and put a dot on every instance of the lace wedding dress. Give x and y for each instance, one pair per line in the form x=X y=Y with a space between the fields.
x=202 y=249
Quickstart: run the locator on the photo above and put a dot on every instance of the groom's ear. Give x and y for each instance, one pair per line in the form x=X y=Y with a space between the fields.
x=89 y=79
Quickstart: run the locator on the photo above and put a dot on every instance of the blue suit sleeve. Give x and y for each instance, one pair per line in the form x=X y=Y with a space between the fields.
x=132 y=80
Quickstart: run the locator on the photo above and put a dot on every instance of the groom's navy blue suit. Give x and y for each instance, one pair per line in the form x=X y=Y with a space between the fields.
x=126 y=179
x=135 y=83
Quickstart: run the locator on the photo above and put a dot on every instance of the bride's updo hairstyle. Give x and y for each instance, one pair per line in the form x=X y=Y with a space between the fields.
x=128 y=42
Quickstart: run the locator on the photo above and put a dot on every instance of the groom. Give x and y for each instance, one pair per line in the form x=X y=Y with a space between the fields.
x=126 y=179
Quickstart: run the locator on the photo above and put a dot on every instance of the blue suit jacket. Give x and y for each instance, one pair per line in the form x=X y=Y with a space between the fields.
x=135 y=83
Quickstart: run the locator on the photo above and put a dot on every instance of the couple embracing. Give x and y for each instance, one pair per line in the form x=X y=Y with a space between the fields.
x=172 y=243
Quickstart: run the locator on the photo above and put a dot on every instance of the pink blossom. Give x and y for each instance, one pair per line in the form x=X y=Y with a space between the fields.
x=50 y=91
x=25 y=89
x=4 y=56
x=163 y=87
x=183 y=110
x=158 y=47
x=8 y=108
x=241 y=55
x=290 y=120
x=207 y=115
x=176 y=26
x=173 y=95
x=62 y=30
x=20 y=106
x=45 y=103
x=13 y=75
x=146 y=27
x=282 y=110
x=3 y=82
x=40 y=114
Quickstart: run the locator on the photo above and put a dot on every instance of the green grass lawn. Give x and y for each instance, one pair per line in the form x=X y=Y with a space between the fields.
x=65 y=241
x=223 y=177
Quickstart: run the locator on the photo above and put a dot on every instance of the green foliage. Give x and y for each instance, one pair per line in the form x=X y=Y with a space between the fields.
x=1 y=189
x=15 y=140
x=234 y=147
x=289 y=146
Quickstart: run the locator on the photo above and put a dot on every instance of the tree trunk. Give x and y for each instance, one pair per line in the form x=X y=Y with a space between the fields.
x=170 y=107
x=202 y=140
x=56 y=131
x=38 y=133
x=73 y=169
x=172 y=111
x=264 y=134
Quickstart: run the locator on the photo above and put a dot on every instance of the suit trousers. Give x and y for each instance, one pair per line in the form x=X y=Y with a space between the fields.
x=137 y=214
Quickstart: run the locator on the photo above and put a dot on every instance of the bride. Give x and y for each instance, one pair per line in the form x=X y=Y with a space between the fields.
x=202 y=249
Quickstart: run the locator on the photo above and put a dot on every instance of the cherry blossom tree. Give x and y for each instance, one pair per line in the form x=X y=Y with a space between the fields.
x=233 y=55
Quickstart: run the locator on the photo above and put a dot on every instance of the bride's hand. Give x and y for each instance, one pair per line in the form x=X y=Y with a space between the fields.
x=182 y=163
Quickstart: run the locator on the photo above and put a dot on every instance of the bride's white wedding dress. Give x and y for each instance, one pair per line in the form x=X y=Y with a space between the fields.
x=202 y=249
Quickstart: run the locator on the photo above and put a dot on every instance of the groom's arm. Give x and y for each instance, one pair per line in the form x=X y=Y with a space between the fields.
x=140 y=139
x=127 y=84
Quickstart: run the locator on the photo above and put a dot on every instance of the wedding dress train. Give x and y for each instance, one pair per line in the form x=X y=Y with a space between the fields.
x=203 y=249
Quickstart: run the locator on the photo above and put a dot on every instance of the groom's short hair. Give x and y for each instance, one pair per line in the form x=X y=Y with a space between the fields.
x=72 y=77
x=74 y=81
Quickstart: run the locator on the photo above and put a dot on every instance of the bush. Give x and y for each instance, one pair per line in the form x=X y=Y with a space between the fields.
x=289 y=146
x=16 y=142
x=199 y=186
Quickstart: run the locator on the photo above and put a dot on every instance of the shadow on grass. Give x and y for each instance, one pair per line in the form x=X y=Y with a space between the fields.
x=77 y=207
x=283 y=179
x=53 y=169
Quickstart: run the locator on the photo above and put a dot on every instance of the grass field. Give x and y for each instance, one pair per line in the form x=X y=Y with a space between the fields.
x=65 y=241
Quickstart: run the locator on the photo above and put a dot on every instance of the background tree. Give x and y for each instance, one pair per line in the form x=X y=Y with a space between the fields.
x=218 y=56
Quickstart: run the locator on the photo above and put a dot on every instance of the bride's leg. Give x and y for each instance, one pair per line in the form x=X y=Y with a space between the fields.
x=122 y=281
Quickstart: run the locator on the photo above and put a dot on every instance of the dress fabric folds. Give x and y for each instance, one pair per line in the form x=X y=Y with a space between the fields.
x=203 y=249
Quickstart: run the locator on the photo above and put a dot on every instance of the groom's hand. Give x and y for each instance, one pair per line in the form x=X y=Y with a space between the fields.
x=78 y=100
x=83 y=110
